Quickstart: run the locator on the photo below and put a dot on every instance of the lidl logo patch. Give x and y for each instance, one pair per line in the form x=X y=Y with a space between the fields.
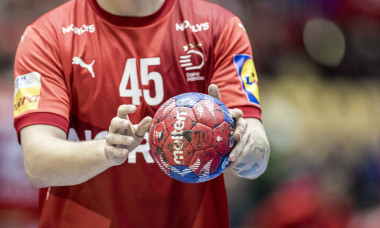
x=248 y=77
x=27 y=92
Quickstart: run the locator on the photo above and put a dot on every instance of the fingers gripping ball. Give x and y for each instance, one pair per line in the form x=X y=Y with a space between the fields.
x=191 y=137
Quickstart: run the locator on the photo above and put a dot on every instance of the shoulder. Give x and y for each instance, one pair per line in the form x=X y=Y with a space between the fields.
x=202 y=7
x=58 y=17
x=42 y=38
x=205 y=10
x=199 y=15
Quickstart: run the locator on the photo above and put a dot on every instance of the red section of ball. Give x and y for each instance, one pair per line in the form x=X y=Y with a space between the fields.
x=178 y=151
x=158 y=157
x=180 y=119
x=222 y=138
x=205 y=162
x=179 y=123
x=158 y=134
x=208 y=113
x=201 y=137
x=163 y=111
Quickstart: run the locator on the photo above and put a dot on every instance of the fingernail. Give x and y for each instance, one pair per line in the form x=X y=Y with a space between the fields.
x=132 y=108
x=129 y=139
x=232 y=157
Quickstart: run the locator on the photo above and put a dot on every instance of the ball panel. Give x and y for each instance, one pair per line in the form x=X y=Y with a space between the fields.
x=222 y=166
x=184 y=174
x=201 y=137
x=227 y=116
x=179 y=119
x=223 y=138
x=208 y=113
x=164 y=110
x=205 y=162
x=181 y=151
x=158 y=157
x=226 y=112
x=187 y=99
x=158 y=134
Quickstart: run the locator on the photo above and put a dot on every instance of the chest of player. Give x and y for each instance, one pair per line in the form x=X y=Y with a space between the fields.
x=107 y=67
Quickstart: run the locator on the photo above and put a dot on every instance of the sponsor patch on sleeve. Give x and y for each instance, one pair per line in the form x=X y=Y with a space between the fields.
x=27 y=89
x=248 y=77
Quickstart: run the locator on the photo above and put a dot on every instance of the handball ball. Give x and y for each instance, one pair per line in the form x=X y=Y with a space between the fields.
x=191 y=137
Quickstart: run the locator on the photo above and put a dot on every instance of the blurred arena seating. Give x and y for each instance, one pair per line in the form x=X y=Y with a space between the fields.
x=318 y=63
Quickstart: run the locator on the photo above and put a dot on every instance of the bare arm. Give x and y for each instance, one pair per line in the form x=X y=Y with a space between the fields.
x=51 y=160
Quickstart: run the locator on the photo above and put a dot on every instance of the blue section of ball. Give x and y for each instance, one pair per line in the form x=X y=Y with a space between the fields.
x=227 y=115
x=190 y=99
x=185 y=174
x=226 y=111
x=187 y=99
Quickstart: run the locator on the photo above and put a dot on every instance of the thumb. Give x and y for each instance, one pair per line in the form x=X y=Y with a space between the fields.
x=213 y=91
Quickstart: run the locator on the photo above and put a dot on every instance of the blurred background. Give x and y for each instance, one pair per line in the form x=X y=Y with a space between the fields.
x=318 y=63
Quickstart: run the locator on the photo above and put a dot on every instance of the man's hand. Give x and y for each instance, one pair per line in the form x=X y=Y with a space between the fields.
x=123 y=137
x=249 y=157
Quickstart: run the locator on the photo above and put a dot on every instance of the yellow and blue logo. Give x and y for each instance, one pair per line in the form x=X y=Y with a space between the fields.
x=248 y=77
x=27 y=89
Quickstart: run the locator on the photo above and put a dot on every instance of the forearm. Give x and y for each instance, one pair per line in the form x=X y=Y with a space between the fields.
x=255 y=151
x=51 y=160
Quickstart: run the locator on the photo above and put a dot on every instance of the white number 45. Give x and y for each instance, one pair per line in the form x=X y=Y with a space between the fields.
x=130 y=76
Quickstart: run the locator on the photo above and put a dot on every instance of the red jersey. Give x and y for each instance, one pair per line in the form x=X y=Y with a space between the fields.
x=76 y=64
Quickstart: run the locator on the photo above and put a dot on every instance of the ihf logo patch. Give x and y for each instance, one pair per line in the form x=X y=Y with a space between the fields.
x=248 y=77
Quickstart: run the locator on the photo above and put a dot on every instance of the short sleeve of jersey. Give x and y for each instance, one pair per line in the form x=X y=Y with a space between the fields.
x=40 y=91
x=234 y=71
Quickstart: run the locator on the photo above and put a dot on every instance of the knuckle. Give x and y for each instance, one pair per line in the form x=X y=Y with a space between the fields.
x=240 y=128
x=108 y=151
x=113 y=125
x=121 y=108
x=242 y=122
x=115 y=121
x=113 y=151
x=127 y=124
x=118 y=139
x=120 y=152
x=109 y=139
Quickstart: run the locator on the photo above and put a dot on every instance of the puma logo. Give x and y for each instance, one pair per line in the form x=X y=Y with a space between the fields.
x=79 y=61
